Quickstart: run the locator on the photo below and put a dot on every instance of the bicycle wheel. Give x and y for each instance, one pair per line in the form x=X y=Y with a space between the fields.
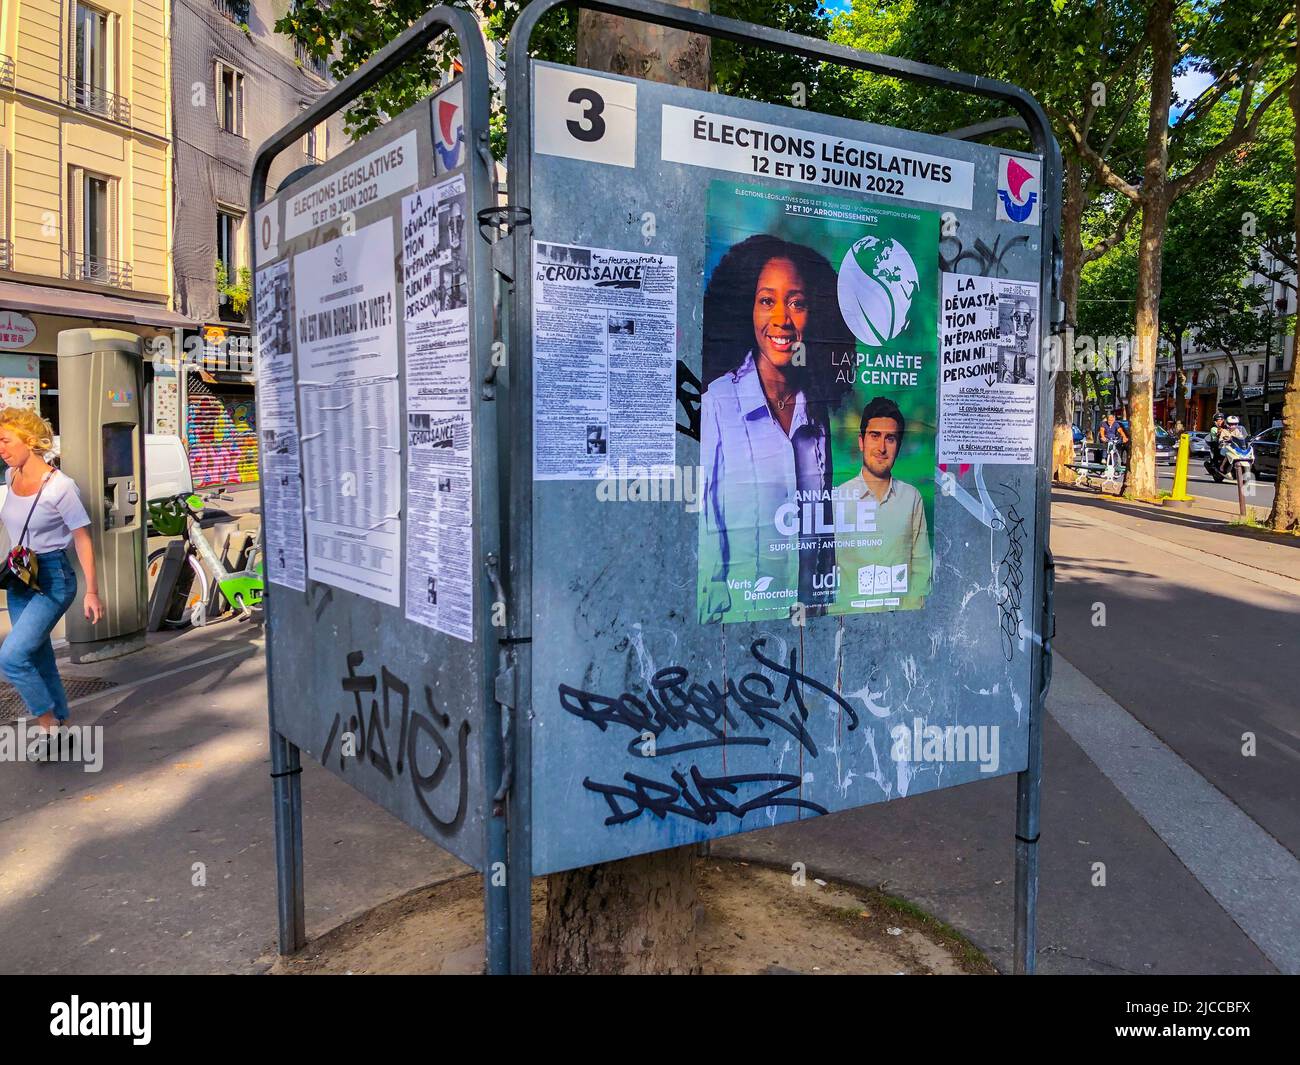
x=191 y=588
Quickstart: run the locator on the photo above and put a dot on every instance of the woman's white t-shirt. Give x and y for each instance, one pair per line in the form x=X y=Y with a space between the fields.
x=57 y=513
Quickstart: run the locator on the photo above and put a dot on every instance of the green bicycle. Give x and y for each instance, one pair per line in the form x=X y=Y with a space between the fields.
x=187 y=592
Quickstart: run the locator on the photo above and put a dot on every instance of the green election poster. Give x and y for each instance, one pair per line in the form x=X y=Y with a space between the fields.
x=819 y=410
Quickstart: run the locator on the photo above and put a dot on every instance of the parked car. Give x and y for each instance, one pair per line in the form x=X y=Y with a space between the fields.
x=1166 y=446
x=1199 y=447
x=166 y=466
x=1267 y=445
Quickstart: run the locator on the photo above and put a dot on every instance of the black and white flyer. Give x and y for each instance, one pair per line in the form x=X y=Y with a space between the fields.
x=439 y=437
x=988 y=390
x=605 y=362
x=351 y=432
x=282 y=528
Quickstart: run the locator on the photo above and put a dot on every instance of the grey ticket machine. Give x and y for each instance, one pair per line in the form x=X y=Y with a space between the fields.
x=101 y=445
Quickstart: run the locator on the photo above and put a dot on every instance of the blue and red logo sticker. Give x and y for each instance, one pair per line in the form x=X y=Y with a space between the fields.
x=1020 y=190
x=449 y=127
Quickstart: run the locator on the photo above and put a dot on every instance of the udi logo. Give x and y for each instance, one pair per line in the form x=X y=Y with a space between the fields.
x=1019 y=190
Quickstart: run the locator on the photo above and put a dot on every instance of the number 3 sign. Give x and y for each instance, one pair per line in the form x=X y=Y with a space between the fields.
x=583 y=116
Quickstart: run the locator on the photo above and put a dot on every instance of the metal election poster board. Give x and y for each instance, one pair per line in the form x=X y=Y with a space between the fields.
x=374 y=314
x=781 y=418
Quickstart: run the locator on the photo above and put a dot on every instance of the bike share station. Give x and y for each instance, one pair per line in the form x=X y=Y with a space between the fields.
x=572 y=630
x=101 y=447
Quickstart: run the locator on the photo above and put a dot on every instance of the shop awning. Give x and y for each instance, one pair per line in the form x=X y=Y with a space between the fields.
x=74 y=303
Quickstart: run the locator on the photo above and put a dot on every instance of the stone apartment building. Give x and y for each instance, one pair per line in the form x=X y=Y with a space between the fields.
x=85 y=181
x=235 y=82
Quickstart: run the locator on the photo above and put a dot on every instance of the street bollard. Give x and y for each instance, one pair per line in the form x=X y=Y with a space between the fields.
x=1179 y=498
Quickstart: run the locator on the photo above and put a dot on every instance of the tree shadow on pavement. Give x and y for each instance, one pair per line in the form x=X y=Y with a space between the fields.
x=1186 y=521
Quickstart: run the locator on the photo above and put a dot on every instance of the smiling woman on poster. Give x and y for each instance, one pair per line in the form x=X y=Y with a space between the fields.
x=772 y=326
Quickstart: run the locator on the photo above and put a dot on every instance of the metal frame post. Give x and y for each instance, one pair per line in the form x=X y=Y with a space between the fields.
x=286 y=777
x=286 y=767
x=519 y=107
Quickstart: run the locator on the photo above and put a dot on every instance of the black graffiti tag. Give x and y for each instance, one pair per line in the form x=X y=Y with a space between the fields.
x=675 y=703
x=372 y=733
x=1011 y=572
x=988 y=260
x=712 y=796
x=689 y=392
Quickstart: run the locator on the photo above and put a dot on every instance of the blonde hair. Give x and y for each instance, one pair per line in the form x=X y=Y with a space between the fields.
x=29 y=427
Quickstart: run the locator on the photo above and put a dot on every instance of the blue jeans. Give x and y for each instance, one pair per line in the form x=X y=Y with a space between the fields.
x=27 y=655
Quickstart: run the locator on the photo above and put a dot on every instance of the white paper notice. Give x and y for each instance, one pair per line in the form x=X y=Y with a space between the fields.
x=988 y=350
x=277 y=422
x=386 y=170
x=743 y=146
x=351 y=432
x=439 y=469
x=605 y=362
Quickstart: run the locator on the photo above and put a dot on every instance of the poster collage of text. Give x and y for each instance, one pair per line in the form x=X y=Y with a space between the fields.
x=840 y=366
x=337 y=460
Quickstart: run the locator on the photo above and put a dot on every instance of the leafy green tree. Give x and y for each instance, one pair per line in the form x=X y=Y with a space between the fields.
x=1285 y=516
x=1082 y=62
x=1240 y=45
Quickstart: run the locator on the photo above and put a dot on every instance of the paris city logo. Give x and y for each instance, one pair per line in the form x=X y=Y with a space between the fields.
x=1019 y=189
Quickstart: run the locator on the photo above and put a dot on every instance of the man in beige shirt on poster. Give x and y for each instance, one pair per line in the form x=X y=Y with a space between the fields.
x=892 y=571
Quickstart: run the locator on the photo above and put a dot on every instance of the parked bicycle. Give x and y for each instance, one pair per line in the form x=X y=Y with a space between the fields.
x=188 y=598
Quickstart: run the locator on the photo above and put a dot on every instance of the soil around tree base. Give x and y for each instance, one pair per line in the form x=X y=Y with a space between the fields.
x=754 y=920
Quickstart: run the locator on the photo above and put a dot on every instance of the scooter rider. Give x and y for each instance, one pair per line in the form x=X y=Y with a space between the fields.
x=1217 y=431
x=1233 y=430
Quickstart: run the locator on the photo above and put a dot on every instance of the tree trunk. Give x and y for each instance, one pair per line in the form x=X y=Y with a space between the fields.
x=1286 y=502
x=639 y=50
x=1155 y=218
x=637 y=915
x=1241 y=388
x=1180 y=384
x=1071 y=267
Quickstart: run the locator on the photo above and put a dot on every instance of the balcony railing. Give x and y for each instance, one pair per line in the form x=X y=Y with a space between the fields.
x=6 y=72
x=98 y=101
x=235 y=10
x=102 y=271
x=319 y=67
x=6 y=254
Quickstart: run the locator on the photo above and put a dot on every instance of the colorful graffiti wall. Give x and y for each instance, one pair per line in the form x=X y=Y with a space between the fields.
x=222 y=435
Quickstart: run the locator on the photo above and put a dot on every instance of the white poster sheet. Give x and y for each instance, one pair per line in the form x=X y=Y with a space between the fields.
x=604 y=362
x=277 y=421
x=745 y=146
x=345 y=306
x=988 y=359
x=439 y=468
x=387 y=169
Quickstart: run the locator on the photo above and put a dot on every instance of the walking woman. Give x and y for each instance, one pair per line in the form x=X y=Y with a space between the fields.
x=43 y=513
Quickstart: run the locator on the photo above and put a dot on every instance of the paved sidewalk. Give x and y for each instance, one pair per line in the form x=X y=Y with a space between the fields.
x=98 y=870
x=1207 y=528
x=952 y=853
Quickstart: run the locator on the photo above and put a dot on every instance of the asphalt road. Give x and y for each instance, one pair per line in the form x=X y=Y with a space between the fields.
x=1198 y=654
x=1200 y=483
